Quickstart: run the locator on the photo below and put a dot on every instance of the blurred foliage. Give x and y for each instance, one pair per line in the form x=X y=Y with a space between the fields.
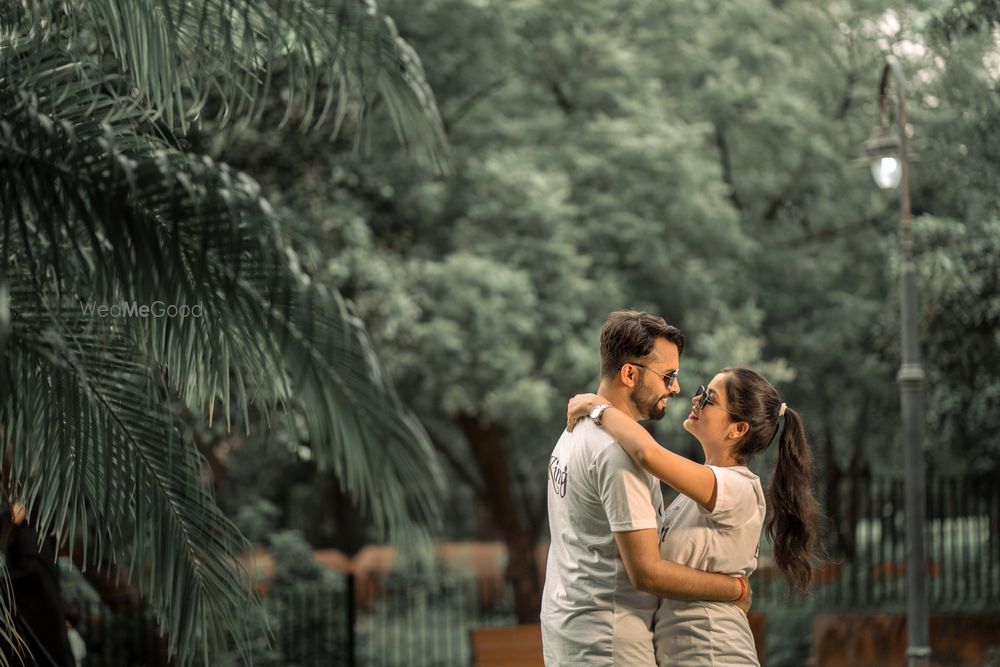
x=305 y=609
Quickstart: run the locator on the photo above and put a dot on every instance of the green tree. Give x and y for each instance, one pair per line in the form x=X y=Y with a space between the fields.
x=790 y=94
x=958 y=110
x=103 y=206
x=783 y=88
x=574 y=191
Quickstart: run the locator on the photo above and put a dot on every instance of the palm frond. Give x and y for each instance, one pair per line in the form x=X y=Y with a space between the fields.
x=95 y=452
x=164 y=225
x=182 y=57
x=4 y=329
x=97 y=209
x=8 y=634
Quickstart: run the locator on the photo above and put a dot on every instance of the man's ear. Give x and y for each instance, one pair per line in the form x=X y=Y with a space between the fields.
x=628 y=375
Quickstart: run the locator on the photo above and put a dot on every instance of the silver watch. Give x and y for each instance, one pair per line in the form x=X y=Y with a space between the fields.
x=596 y=413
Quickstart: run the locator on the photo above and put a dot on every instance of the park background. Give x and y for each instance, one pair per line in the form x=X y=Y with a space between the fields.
x=397 y=314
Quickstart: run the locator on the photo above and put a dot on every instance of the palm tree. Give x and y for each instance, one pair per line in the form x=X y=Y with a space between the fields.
x=141 y=285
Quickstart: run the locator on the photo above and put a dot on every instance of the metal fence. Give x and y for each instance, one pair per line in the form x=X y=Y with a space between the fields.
x=411 y=620
x=424 y=620
x=310 y=627
x=868 y=570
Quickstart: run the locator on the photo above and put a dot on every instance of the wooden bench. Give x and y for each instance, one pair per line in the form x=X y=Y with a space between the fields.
x=516 y=645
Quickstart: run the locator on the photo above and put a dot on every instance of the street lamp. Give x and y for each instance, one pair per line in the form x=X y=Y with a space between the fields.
x=889 y=158
x=882 y=151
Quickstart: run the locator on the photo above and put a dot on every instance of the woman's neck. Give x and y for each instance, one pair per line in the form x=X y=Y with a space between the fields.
x=720 y=457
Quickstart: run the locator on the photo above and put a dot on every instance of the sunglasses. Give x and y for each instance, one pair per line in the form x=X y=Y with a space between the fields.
x=668 y=378
x=702 y=394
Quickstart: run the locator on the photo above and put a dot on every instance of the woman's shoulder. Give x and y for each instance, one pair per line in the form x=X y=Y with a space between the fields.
x=739 y=489
x=736 y=473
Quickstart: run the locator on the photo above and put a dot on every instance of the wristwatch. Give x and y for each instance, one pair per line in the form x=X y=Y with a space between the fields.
x=596 y=413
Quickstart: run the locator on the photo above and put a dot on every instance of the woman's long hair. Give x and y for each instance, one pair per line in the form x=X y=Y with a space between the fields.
x=793 y=523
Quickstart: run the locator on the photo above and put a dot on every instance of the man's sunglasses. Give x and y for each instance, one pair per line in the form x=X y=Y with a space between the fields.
x=702 y=394
x=668 y=378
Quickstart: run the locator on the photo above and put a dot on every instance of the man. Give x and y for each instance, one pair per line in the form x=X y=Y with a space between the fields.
x=604 y=573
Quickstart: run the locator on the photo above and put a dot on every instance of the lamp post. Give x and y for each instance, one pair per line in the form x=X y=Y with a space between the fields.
x=889 y=159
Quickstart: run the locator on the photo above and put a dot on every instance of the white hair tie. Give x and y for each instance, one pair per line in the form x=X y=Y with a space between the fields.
x=781 y=410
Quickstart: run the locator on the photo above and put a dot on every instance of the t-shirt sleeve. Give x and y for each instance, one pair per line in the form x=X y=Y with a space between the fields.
x=624 y=489
x=735 y=498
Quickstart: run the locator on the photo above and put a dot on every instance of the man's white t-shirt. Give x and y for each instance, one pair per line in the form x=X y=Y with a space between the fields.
x=591 y=613
x=724 y=540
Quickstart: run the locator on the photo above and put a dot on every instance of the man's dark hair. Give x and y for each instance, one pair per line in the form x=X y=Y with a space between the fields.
x=629 y=335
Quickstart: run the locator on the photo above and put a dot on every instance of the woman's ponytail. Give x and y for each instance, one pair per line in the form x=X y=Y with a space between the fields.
x=794 y=520
x=793 y=524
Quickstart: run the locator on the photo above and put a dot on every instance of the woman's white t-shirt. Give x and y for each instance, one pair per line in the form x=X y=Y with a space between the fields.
x=724 y=540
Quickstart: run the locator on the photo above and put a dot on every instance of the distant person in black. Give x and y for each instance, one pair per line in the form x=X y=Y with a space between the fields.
x=39 y=614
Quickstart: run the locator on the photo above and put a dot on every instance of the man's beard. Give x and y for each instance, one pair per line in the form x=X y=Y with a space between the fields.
x=647 y=403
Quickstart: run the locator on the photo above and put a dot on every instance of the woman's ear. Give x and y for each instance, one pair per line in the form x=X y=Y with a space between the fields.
x=738 y=430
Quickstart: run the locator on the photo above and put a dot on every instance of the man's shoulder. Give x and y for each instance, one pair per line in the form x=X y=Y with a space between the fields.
x=600 y=450
x=587 y=440
x=592 y=434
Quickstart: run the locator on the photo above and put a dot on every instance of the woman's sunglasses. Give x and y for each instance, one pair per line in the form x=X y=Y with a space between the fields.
x=702 y=394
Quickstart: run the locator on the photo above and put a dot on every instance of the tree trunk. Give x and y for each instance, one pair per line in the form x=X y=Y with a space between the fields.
x=516 y=530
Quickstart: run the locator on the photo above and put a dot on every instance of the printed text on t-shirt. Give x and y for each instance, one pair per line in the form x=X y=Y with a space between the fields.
x=558 y=476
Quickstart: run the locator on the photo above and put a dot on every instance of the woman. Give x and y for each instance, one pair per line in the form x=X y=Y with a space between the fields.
x=715 y=524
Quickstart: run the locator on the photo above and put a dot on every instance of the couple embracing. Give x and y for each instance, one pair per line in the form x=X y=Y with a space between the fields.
x=631 y=583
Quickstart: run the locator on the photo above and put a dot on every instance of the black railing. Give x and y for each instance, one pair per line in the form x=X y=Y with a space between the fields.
x=424 y=620
x=418 y=620
x=309 y=627
x=865 y=564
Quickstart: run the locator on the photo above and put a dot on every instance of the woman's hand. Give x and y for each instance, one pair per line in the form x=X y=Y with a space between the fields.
x=580 y=406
